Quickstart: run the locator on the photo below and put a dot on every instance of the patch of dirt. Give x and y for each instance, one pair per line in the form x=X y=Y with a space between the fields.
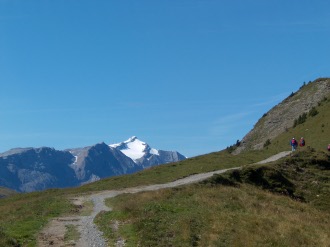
x=53 y=234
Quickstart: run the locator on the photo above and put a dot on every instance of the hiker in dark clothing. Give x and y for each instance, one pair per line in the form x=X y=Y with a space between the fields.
x=302 y=142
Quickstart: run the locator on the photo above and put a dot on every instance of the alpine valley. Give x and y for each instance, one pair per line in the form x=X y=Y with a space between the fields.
x=35 y=169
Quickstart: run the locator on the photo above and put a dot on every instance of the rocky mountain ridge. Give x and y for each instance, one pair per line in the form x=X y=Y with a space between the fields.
x=35 y=169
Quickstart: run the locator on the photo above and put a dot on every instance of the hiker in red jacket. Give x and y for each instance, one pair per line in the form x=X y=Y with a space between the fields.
x=294 y=144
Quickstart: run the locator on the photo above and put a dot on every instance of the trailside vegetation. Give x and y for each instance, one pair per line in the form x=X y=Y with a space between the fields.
x=282 y=204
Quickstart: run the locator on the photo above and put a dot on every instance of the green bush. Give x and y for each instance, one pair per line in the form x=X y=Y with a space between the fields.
x=301 y=119
x=267 y=143
x=313 y=112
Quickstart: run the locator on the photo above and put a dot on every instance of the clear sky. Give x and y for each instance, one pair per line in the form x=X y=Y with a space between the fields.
x=186 y=75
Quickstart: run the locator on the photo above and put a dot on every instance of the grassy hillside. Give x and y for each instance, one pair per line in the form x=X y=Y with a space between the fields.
x=23 y=215
x=226 y=211
x=285 y=203
x=173 y=171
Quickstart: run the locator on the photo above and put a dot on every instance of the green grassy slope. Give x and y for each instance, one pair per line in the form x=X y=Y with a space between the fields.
x=215 y=215
x=173 y=171
x=23 y=215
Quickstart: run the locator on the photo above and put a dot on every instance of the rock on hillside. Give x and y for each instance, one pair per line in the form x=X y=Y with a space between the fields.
x=282 y=116
x=5 y=192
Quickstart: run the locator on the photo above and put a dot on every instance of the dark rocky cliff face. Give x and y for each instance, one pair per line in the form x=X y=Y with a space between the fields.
x=282 y=116
x=100 y=161
x=33 y=169
x=36 y=169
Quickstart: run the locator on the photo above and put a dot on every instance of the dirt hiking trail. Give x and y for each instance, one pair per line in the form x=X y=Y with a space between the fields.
x=54 y=233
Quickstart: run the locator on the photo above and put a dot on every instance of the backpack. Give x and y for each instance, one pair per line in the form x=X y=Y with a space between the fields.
x=293 y=142
x=329 y=147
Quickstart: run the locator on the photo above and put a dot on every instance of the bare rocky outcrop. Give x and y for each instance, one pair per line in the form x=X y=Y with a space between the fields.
x=282 y=116
x=5 y=192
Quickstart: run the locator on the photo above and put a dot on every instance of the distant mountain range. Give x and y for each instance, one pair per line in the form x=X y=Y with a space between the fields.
x=35 y=169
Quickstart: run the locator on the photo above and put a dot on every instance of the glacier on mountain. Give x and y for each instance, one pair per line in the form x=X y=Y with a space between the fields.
x=134 y=148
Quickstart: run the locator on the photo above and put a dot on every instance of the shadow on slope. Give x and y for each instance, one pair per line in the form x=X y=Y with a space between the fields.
x=304 y=177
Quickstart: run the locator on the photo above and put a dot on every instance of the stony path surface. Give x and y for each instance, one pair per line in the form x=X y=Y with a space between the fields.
x=53 y=234
x=275 y=157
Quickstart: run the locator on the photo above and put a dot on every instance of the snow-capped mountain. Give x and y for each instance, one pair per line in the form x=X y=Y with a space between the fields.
x=134 y=148
x=33 y=169
x=142 y=154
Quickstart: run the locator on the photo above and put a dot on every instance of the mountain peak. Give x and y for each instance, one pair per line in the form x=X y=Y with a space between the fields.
x=133 y=148
x=141 y=153
x=132 y=139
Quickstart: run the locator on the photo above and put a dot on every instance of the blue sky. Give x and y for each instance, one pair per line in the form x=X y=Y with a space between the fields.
x=186 y=75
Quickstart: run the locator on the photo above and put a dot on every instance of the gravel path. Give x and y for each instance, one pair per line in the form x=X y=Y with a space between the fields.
x=91 y=236
x=53 y=234
x=275 y=157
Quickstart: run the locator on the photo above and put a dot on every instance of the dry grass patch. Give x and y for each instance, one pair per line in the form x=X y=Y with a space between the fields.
x=72 y=235
x=219 y=216
x=87 y=208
